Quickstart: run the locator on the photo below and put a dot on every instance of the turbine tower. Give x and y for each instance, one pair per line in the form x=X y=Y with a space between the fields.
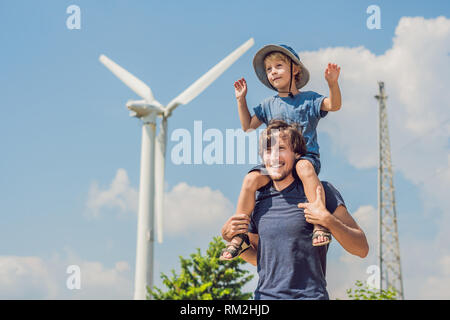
x=153 y=150
x=388 y=244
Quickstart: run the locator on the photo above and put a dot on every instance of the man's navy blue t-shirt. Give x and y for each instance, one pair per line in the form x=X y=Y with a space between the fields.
x=289 y=266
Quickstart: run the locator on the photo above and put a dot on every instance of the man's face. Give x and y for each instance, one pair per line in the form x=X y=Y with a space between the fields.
x=279 y=158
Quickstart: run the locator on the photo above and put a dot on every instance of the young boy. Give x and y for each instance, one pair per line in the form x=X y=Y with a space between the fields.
x=279 y=68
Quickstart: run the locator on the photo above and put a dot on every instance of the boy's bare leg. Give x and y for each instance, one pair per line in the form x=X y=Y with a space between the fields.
x=306 y=173
x=246 y=201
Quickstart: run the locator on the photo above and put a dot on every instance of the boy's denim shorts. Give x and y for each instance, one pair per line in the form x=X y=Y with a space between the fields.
x=311 y=157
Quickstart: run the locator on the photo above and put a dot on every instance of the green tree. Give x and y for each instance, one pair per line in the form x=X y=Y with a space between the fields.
x=205 y=278
x=362 y=292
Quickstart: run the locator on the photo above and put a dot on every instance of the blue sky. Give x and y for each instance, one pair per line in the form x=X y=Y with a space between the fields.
x=64 y=126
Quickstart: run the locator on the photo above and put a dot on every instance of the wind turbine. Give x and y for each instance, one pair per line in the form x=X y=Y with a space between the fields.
x=151 y=188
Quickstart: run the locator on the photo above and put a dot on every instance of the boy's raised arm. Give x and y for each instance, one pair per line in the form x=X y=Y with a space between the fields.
x=247 y=121
x=334 y=101
x=255 y=122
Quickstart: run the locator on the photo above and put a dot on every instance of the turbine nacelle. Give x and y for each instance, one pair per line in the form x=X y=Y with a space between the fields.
x=141 y=108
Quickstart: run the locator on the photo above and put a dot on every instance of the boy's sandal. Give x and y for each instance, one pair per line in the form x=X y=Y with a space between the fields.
x=320 y=232
x=236 y=250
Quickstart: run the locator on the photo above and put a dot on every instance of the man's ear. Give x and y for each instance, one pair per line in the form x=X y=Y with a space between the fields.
x=298 y=156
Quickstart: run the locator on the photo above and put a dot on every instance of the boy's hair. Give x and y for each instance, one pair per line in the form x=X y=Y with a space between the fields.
x=290 y=131
x=279 y=55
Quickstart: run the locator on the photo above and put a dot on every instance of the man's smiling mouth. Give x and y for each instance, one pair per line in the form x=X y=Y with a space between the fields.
x=276 y=166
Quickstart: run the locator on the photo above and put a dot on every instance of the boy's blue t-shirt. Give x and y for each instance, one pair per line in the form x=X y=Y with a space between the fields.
x=289 y=266
x=303 y=109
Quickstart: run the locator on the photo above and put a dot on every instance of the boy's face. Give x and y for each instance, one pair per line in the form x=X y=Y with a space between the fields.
x=278 y=72
x=279 y=158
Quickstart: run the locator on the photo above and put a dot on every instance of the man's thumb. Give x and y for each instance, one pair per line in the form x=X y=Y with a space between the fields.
x=319 y=193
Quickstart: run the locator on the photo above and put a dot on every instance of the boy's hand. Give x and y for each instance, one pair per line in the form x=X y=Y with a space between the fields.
x=240 y=88
x=332 y=73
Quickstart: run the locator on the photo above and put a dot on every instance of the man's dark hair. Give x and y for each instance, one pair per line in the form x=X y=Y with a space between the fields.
x=290 y=131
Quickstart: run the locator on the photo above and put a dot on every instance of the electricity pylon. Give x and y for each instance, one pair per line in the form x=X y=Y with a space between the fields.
x=388 y=244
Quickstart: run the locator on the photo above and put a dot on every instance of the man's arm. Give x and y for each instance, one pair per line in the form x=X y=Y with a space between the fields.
x=347 y=232
x=238 y=224
x=250 y=255
x=341 y=224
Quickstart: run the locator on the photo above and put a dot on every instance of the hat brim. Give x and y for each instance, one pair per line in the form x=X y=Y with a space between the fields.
x=258 y=65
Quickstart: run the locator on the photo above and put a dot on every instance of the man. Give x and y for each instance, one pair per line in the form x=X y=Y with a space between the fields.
x=280 y=228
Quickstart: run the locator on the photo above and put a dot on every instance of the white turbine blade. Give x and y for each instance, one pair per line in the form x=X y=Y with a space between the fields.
x=130 y=80
x=202 y=83
x=160 y=156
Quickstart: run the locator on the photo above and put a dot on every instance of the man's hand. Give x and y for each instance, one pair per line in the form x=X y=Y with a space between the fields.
x=240 y=89
x=235 y=225
x=316 y=212
x=332 y=73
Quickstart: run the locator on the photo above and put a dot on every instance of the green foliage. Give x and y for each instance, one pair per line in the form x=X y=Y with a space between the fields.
x=362 y=292
x=205 y=278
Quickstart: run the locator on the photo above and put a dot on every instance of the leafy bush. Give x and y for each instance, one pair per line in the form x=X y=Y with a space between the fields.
x=362 y=292
x=205 y=278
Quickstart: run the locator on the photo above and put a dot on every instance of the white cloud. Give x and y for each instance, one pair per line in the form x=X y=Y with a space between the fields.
x=189 y=209
x=38 y=278
x=100 y=282
x=430 y=277
x=120 y=195
x=25 y=278
x=186 y=208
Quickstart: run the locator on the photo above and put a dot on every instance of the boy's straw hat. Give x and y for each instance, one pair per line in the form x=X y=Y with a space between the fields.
x=260 y=69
